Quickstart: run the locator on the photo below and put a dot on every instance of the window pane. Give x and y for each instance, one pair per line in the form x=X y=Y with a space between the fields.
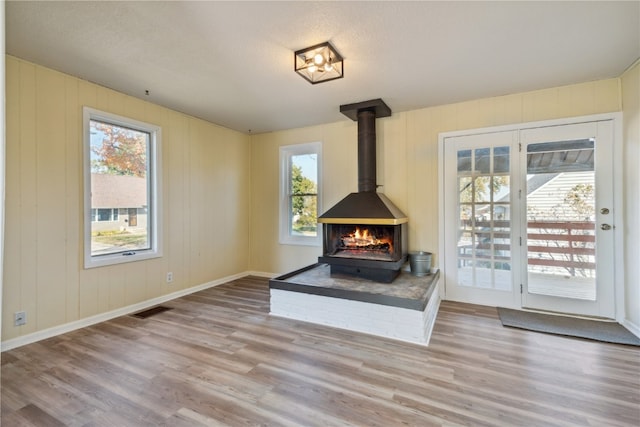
x=501 y=159
x=561 y=219
x=119 y=180
x=482 y=189
x=501 y=217
x=465 y=189
x=500 y=188
x=300 y=199
x=104 y=214
x=304 y=221
x=304 y=174
x=483 y=159
x=464 y=161
x=561 y=156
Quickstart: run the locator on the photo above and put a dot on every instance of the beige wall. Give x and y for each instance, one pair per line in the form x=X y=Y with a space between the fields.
x=407 y=160
x=206 y=186
x=339 y=179
x=206 y=167
x=631 y=119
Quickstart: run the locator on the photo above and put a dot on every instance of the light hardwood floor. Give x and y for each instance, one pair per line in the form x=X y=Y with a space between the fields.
x=218 y=358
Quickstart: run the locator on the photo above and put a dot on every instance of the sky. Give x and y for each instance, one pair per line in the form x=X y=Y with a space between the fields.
x=309 y=165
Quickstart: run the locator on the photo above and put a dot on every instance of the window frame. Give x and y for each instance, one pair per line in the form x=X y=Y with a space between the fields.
x=153 y=184
x=286 y=153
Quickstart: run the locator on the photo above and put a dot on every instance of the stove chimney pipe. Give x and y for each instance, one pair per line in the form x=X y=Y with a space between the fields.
x=366 y=113
x=367 y=180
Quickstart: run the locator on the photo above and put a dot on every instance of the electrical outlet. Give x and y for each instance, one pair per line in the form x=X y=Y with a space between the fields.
x=20 y=318
x=169 y=277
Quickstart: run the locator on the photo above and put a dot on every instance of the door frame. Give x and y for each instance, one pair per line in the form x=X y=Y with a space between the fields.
x=618 y=214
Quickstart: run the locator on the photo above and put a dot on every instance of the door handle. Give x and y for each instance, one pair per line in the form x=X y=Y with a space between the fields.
x=605 y=227
x=604 y=211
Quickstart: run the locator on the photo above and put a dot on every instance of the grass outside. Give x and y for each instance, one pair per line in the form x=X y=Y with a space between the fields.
x=119 y=238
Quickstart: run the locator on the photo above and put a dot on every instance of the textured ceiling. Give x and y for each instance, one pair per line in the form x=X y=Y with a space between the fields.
x=231 y=63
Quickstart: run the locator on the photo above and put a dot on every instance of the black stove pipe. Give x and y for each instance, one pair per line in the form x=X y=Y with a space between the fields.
x=367 y=180
x=365 y=113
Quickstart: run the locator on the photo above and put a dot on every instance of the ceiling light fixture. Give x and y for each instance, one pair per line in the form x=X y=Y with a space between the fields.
x=319 y=63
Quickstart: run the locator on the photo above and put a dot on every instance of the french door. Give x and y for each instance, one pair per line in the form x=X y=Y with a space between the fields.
x=528 y=218
x=479 y=211
x=568 y=263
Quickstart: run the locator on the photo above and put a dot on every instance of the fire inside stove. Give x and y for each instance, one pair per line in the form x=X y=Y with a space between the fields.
x=364 y=242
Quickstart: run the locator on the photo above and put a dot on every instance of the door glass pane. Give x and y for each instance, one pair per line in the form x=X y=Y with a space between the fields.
x=482 y=189
x=484 y=230
x=500 y=189
x=464 y=161
x=561 y=219
x=501 y=160
x=483 y=160
x=501 y=219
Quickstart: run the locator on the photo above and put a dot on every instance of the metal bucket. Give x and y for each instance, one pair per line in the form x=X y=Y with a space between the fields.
x=420 y=263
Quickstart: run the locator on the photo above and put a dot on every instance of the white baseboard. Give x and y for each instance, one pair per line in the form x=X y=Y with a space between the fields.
x=92 y=320
x=632 y=327
x=262 y=274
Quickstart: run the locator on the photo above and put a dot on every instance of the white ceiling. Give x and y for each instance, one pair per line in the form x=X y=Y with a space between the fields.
x=231 y=63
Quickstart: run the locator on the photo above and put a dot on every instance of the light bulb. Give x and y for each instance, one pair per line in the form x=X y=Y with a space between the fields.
x=312 y=68
x=328 y=66
x=318 y=59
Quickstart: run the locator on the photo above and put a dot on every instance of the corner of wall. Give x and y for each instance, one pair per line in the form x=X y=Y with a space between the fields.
x=630 y=100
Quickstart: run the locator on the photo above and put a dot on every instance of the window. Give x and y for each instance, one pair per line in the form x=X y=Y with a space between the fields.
x=121 y=189
x=300 y=167
x=104 y=215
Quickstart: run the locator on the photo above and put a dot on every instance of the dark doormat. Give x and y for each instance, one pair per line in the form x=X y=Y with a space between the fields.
x=610 y=332
x=151 y=312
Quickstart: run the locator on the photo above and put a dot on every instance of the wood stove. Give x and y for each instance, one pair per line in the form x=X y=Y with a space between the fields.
x=365 y=234
x=371 y=252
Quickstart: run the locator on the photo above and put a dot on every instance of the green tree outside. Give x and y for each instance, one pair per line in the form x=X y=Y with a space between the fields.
x=304 y=202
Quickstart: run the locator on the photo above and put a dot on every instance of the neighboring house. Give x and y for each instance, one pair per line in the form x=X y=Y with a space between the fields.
x=546 y=194
x=547 y=202
x=118 y=202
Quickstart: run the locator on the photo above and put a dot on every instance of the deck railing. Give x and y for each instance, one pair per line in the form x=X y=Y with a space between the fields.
x=567 y=245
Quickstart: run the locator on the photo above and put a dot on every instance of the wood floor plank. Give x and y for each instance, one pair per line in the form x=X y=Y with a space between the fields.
x=30 y=415
x=218 y=359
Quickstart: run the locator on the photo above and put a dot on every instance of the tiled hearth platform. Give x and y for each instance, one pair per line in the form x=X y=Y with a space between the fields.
x=404 y=309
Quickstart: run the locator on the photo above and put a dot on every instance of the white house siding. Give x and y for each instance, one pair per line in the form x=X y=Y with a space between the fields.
x=122 y=193
x=548 y=199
